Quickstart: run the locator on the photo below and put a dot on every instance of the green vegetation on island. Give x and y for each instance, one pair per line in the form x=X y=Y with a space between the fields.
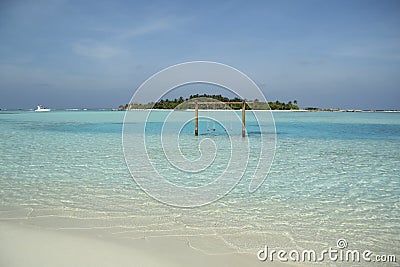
x=187 y=103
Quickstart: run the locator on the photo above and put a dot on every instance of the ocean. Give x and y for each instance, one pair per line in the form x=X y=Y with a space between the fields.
x=334 y=176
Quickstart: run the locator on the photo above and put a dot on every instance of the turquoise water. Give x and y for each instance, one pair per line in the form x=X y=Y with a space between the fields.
x=335 y=175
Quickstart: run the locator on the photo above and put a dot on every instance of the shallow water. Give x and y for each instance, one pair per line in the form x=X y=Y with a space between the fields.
x=335 y=175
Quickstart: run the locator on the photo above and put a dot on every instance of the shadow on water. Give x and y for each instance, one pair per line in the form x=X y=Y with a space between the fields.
x=94 y=128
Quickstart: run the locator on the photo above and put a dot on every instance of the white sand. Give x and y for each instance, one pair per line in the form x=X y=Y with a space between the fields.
x=27 y=246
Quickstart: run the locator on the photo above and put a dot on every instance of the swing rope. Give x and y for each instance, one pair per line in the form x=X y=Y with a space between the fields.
x=208 y=120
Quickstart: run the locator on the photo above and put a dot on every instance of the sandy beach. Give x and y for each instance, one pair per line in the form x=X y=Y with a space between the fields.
x=22 y=245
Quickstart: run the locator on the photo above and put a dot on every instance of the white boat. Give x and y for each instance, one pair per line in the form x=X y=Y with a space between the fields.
x=41 y=108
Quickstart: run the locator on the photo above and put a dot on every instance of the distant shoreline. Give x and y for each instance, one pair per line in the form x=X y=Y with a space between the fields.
x=273 y=110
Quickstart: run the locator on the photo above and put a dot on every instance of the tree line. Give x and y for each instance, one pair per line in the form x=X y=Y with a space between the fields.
x=187 y=103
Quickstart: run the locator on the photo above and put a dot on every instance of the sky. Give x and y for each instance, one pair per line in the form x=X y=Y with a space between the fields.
x=95 y=54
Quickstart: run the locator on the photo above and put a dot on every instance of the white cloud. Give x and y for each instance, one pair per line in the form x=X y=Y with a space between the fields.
x=154 y=26
x=110 y=48
x=133 y=29
x=376 y=50
x=97 y=50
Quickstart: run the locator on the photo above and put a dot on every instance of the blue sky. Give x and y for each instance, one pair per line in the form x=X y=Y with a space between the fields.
x=94 y=54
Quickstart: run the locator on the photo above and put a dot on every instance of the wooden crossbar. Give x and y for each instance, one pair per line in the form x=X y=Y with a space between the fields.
x=218 y=102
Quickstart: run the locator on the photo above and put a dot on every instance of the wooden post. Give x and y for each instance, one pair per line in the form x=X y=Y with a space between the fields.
x=196 y=120
x=244 y=119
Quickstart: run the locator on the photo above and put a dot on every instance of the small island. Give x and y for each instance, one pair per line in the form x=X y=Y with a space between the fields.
x=185 y=103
